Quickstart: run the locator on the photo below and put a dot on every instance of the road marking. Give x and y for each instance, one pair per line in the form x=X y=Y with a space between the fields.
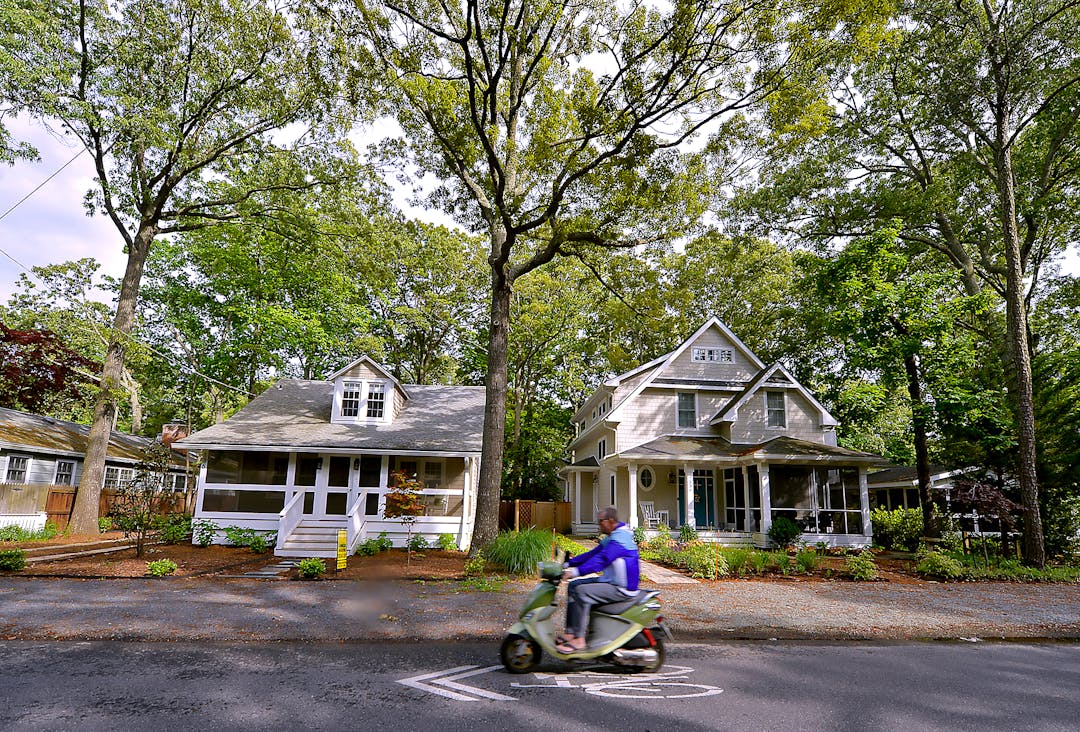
x=668 y=684
x=652 y=689
x=449 y=678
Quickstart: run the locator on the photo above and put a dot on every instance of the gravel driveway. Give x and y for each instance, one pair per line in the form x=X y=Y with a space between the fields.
x=240 y=609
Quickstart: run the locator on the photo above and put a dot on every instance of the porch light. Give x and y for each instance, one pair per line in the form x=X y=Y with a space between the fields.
x=671 y=477
x=356 y=463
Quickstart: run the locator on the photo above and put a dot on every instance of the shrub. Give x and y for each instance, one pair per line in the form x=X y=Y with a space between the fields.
x=369 y=547
x=203 y=532
x=737 y=560
x=568 y=545
x=105 y=524
x=447 y=542
x=806 y=560
x=778 y=561
x=519 y=551
x=783 y=531
x=258 y=542
x=12 y=560
x=702 y=560
x=17 y=533
x=417 y=543
x=687 y=534
x=173 y=528
x=383 y=542
x=900 y=528
x=310 y=568
x=13 y=533
x=474 y=566
x=161 y=567
x=938 y=564
x=639 y=535
x=861 y=567
x=660 y=548
x=758 y=562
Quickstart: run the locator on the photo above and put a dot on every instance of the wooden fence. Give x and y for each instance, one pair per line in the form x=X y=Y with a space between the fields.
x=61 y=500
x=519 y=515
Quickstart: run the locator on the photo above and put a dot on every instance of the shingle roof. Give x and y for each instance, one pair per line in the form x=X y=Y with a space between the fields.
x=296 y=413
x=674 y=447
x=901 y=474
x=49 y=435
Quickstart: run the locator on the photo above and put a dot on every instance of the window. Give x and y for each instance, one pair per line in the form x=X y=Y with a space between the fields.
x=376 y=400
x=232 y=501
x=442 y=504
x=117 y=477
x=611 y=482
x=687 y=410
x=176 y=482
x=65 y=470
x=712 y=355
x=433 y=474
x=17 y=467
x=252 y=468
x=775 y=411
x=351 y=395
x=646 y=479
x=601 y=449
x=370 y=472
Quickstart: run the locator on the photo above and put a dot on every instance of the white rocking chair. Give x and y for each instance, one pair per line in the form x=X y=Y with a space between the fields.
x=648 y=515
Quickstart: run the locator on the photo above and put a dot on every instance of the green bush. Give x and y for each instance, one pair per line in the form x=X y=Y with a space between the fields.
x=807 y=560
x=568 y=545
x=519 y=551
x=737 y=560
x=900 y=528
x=310 y=568
x=369 y=547
x=384 y=542
x=161 y=567
x=938 y=564
x=861 y=567
x=203 y=532
x=13 y=533
x=173 y=528
x=778 y=561
x=687 y=534
x=447 y=542
x=17 y=533
x=104 y=524
x=639 y=535
x=783 y=531
x=258 y=542
x=418 y=543
x=474 y=566
x=702 y=560
x=758 y=562
x=660 y=548
x=12 y=560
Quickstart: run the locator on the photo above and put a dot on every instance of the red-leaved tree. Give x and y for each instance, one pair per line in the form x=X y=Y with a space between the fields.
x=36 y=370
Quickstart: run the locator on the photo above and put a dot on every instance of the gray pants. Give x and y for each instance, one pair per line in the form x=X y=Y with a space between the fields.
x=583 y=595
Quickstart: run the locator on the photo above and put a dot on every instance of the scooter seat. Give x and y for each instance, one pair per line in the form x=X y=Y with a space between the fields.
x=614 y=608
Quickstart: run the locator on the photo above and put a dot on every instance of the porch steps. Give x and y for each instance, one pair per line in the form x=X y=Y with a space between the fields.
x=312 y=538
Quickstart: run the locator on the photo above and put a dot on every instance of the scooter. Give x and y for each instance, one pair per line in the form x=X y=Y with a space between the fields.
x=628 y=633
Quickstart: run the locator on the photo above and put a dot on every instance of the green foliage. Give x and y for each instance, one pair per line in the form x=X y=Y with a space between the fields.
x=371 y=546
x=417 y=543
x=568 y=545
x=861 y=567
x=258 y=541
x=639 y=535
x=807 y=560
x=203 y=532
x=475 y=566
x=938 y=564
x=12 y=560
x=778 y=561
x=900 y=528
x=161 y=567
x=105 y=524
x=519 y=551
x=660 y=548
x=687 y=534
x=447 y=543
x=703 y=560
x=173 y=528
x=311 y=568
x=138 y=504
x=479 y=583
x=17 y=533
x=783 y=531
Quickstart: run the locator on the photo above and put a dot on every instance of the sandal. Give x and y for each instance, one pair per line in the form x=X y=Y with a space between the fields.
x=563 y=639
x=567 y=648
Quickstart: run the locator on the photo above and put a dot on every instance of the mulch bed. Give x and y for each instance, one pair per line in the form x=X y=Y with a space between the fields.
x=191 y=561
x=429 y=564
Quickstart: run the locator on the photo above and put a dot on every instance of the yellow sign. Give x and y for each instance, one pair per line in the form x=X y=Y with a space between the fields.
x=342 y=541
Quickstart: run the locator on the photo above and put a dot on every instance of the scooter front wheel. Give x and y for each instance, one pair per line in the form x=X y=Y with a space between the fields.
x=519 y=654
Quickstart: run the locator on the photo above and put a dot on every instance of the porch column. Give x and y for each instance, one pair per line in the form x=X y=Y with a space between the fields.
x=688 y=493
x=766 y=498
x=633 y=522
x=864 y=503
x=577 y=496
x=747 y=521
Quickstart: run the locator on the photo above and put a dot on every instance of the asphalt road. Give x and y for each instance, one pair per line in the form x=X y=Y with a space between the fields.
x=111 y=685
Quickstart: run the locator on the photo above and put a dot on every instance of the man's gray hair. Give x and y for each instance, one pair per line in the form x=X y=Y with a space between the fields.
x=607 y=513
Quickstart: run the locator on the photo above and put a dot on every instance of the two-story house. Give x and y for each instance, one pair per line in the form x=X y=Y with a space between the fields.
x=710 y=436
x=307 y=459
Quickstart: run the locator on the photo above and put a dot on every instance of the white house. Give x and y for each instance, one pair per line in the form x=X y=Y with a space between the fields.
x=309 y=458
x=710 y=436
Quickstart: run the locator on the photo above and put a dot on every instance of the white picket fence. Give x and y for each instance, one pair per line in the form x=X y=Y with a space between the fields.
x=27 y=521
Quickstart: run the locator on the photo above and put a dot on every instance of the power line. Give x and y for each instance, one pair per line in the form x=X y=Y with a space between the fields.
x=38 y=188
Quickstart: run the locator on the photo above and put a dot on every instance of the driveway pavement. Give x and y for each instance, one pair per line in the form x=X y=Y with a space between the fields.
x=178 y=609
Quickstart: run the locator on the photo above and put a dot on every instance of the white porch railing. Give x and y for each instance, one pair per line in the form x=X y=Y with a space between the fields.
x=25 y=521
x=289 y=518
x=355 y=523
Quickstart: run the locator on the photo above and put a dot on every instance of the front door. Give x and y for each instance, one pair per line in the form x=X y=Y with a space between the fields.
x=704 y=498
x=325 y=480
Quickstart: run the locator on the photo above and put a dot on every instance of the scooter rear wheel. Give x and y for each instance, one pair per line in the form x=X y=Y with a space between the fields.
x=655 y=665
x=519 y=654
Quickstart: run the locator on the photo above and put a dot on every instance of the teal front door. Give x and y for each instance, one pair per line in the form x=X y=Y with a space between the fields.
x=704 y=498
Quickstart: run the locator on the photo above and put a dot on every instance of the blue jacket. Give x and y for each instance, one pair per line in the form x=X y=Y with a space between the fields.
x=616 y=556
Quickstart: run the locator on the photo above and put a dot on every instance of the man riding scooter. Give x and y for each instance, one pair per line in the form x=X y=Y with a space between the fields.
x=617 y=558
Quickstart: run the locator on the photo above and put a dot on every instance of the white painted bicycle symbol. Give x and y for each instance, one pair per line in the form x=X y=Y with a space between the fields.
x=670 y=684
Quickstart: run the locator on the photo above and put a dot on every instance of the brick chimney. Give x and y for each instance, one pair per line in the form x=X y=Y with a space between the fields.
x=170 y=433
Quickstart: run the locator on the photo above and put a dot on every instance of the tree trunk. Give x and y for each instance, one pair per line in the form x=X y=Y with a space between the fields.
x=491 y=453
x=1017 y=330
x=84 y=514
x=922 y=453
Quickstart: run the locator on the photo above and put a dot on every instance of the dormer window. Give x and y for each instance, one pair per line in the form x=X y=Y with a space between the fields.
x=361 y=400
x=776 y=409
x=712 y=355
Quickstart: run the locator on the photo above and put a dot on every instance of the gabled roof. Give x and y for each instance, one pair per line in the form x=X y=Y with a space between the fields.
x=37 y=433
x=296 y=414
x=729 y=412
x=713 y=449
x=712 y=322
x=378 y=368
